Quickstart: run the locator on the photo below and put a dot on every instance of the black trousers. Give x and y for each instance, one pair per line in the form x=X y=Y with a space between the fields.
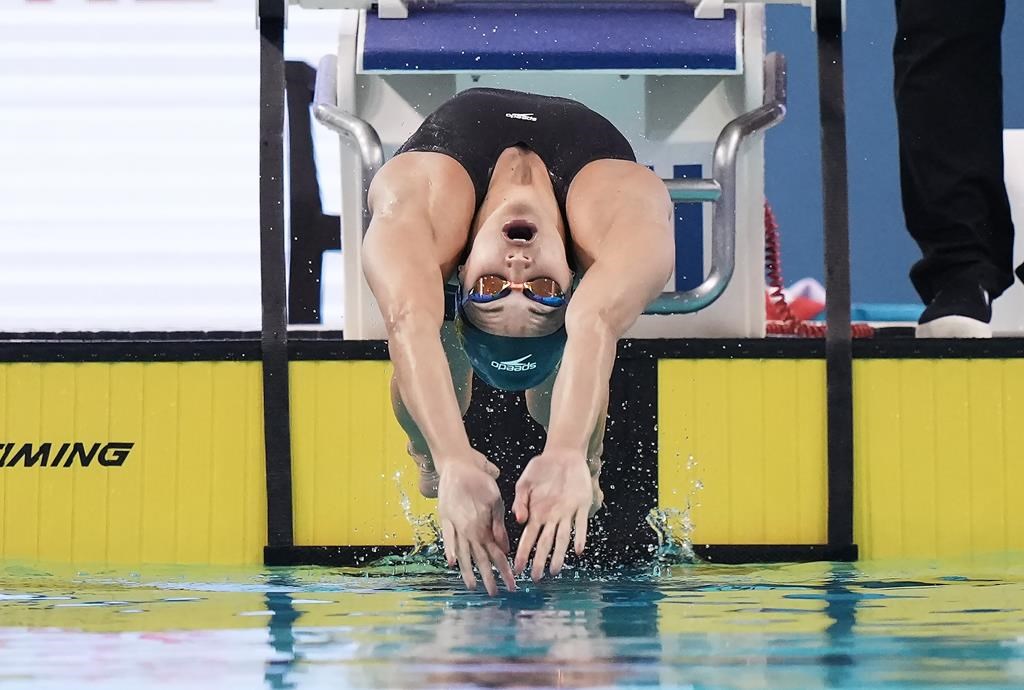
x=949 y=108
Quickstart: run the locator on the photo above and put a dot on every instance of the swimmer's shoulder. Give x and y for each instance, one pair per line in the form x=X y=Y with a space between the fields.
x=414 y=178
x=605 y=190
x=423 y=202
x=610 y=183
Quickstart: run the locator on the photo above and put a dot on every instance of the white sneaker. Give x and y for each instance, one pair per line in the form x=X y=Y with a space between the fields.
x=954 y=327
x=962 y=310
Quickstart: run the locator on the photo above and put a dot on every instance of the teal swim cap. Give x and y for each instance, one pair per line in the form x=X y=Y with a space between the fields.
x=506 y=363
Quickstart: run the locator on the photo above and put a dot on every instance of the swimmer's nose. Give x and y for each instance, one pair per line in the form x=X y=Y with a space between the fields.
x=514 y=260
x=517 y=265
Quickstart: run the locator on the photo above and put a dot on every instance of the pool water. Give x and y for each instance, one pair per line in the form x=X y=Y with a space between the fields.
x=868 y=625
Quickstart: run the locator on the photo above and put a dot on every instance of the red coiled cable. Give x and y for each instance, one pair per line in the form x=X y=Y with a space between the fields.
x=790 y=324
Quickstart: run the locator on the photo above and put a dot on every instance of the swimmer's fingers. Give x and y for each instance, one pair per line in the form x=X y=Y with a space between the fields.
x=581 y=531
x=498 y=530
x=448 y=539
x=466 y=564
x=521 y=504
x=540 y=558
x=501 y=536
x=500 y=560
x=526 y=543
x=484 y=565
x=561 y=546
x=491 y=469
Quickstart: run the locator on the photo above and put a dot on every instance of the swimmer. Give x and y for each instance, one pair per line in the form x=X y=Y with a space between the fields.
x=558 y=240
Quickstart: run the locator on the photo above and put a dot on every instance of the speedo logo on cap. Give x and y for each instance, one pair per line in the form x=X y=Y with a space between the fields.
x=529 y=117
x=515 y=365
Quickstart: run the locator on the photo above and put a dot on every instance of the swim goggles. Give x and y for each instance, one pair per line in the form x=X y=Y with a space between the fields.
x=541 y=290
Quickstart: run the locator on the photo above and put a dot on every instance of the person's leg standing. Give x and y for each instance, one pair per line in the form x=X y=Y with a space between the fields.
x=949 y=106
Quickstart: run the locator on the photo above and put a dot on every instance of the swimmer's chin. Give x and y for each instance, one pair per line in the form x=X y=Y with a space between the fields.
x=514 y=209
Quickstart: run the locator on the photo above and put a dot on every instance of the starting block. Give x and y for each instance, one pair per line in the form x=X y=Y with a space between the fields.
x=690 y=94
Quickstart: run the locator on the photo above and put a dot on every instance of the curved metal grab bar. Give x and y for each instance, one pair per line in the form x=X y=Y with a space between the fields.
x=723 y=170
x=358 y=130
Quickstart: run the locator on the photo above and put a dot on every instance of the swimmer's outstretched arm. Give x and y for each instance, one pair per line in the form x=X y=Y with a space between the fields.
x=622 y=217
x=417 y=234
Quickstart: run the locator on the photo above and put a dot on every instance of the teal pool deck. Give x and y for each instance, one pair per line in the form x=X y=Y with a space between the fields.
x=822 y=625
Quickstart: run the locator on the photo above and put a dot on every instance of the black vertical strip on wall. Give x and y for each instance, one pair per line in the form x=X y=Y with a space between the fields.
x=312 y=231
x=629 y=476
x=274 y=335
x=838 y=347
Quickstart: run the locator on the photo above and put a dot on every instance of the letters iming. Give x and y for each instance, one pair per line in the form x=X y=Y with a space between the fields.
x=112 y=454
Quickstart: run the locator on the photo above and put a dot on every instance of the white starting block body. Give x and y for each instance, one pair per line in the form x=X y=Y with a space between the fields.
x=672 y=115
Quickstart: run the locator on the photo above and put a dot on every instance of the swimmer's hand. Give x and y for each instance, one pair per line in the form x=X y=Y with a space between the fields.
x=554 y=493
x=473 y=520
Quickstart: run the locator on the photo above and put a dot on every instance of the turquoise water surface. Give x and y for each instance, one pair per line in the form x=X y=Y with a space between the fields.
x=905 y=625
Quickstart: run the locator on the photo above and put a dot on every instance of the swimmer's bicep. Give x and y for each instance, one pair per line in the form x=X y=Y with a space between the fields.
x=413 y=236
x=620 y=284
x=403 y=278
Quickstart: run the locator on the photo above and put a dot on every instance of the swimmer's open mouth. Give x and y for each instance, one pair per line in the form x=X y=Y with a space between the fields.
x=519 y=231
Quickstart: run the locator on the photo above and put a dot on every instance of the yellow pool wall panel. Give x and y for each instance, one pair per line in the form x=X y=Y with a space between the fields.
x=191 y=489
x=939 y=457
x=350 y=469
x=938 y=444
x=751 y=433
x=939 y=466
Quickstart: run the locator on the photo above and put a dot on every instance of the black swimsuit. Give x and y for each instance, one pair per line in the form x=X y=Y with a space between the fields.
x=476 y=125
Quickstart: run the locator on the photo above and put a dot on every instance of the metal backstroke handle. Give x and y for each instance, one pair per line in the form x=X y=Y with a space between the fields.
x=723 y=219
x=358 y=130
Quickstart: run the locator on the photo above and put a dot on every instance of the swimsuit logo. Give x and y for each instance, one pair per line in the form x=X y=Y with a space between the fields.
x=515 y=365
x=64 y=454
x=521 y=116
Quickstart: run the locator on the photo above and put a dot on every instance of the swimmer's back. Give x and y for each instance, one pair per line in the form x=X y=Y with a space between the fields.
x=476 y=125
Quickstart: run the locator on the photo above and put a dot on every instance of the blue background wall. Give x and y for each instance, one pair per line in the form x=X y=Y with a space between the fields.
x=882 y=251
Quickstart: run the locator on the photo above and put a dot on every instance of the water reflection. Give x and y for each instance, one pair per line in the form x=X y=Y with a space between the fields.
x=571 y=634
x=798 y=626
x=281 y=626
x=841 y=609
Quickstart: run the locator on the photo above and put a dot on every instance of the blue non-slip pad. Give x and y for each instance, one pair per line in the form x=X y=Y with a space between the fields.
x=488 y=37
x=886 y=312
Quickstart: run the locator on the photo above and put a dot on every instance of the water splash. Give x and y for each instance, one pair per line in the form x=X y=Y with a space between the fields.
x=675 y=527
x=427 y=550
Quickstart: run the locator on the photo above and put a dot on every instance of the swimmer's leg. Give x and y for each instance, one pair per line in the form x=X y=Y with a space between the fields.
x=462 y=378
x=538 y=402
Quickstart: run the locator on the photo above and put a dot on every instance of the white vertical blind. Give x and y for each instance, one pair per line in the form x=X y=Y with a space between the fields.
x=129 y=175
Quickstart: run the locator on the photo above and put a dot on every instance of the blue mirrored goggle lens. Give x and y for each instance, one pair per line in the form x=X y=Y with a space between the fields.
x=553 y=301
x=483 y=298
